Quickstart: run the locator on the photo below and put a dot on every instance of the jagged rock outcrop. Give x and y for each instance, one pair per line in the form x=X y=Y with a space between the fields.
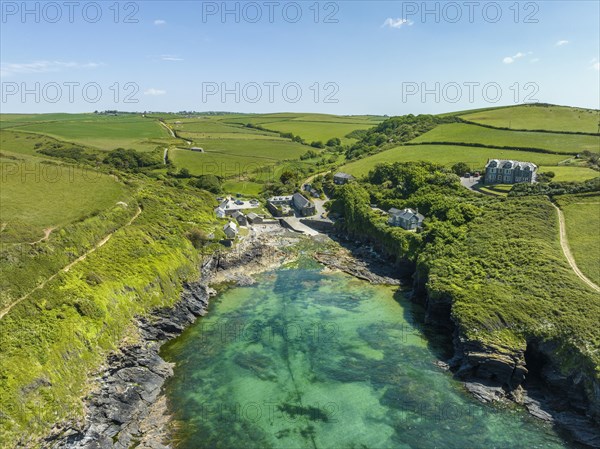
x=122 y=411
x=529 y=377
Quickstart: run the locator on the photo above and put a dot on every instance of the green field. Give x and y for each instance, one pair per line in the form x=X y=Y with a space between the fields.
x=551 y=118
x=447 y=155
x=465 y=133
x=17 y=143
x=38 y=195
x=582 y=216
x=317 y=131
x=569 y=173
x=102 y=132
x=311 y=127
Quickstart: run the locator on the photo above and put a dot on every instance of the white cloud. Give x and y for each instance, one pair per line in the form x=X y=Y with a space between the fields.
x=511 y=59
x=154 y=92
x=596 y=66
x=396 y=23
x=159 y=22
x=44 y=67
x=170 y=58
x=561 y=43
x=534 y=60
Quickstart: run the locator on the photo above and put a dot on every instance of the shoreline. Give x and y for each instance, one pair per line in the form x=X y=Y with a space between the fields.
x=126 y=410
x=127 y=405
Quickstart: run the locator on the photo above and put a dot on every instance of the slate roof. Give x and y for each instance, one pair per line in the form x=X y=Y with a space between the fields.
x=230 y=225
x=406 y=214
x=343 y=175
x=508 y=163
x=300 y=200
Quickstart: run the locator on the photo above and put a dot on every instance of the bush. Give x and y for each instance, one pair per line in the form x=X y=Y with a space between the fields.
x=210 y=183
x=198 y=237
x=131 y=160
x=460 y=168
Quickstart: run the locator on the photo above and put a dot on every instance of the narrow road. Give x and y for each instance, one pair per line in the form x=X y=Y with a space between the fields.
x=173 y=135
x=564 y=243
x=69 y=266
x=168 y=129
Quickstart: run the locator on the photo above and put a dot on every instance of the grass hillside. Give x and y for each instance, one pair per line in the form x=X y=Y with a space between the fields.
x=94 y=130
x=582 y=217
x=466 y=133
x=470 y=137
x=37 y=195
x=539 y=117
x=447 y=155
x=53 y=341
x=312 y=127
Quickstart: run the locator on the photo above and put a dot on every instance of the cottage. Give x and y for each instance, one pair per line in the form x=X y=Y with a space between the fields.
x=254 y=218
x=342 y=178
x=240 y=218
x=220 y=212
x=230 y=230
x=302 y=205
x=408 y=219
x=503 y=171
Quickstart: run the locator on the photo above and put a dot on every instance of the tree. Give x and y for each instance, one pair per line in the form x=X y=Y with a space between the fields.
x=317 y=144
x=335 y=141
x=184 y=173
x=545 y=176
x=288 y=177
x=460 y=168
x=207 y=182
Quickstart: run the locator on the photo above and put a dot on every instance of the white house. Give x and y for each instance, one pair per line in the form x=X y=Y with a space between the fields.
x=220 y=212
x=230 y=230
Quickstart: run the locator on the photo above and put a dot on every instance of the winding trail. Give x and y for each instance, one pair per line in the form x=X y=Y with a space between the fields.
x=65 y=269
x=46 y=236
x=564 y=243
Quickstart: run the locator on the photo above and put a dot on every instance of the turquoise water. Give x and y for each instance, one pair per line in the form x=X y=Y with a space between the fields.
x=305 y=359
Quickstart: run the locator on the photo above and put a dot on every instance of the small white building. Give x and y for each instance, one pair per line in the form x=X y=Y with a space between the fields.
x=230 y=230
x=220 y=212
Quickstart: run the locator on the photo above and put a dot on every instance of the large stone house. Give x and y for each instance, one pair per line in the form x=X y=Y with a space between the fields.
x=342 y=178
x=503 y=171
x=279 y=206
x=303 y=206
x=409 y=219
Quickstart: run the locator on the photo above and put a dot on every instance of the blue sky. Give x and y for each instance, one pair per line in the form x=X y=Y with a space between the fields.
x=356 y=57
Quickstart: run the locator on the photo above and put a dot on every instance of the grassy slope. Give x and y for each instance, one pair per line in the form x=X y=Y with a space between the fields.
x=446 y=155
x=569 y=173
x=36 y=195
x=312 y=127
x=510 y=281
x=582 y=216
x=101 y=132
x=465 y=133
x=52 y=341
x=552 y=118
x=318 y=130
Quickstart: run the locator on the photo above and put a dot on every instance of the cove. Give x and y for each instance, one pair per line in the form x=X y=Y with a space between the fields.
x=308 y=359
